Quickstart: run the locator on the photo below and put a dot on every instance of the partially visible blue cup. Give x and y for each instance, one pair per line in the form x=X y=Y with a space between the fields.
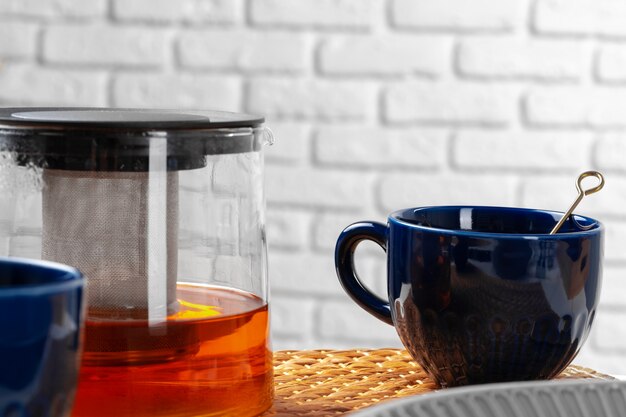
x=41 y=316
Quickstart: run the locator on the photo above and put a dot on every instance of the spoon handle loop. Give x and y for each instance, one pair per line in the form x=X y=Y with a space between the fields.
x=581 y=193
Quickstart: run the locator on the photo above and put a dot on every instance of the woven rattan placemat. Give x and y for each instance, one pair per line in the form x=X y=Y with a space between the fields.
x=316 y=383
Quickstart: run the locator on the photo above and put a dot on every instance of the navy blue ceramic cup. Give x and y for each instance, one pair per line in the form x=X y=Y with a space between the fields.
x=482 y=294
x=41 y=314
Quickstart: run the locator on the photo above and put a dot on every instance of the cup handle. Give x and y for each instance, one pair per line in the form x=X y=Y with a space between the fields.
x=344 y=264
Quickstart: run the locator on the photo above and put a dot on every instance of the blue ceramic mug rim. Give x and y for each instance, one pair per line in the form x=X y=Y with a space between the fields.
x=396 y=218
x=64 y=278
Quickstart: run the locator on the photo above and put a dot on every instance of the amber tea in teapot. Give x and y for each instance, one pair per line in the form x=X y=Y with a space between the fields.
x=213 y=357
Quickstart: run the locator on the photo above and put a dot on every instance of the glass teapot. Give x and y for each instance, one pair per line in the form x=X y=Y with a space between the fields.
x=163 y=211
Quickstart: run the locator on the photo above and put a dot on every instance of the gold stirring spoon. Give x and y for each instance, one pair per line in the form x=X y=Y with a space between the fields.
x=581 y=193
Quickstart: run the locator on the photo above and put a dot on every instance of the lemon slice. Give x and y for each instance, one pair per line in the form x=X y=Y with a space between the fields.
x=196 y=311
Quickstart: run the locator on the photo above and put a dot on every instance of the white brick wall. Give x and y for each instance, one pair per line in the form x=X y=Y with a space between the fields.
x=285 y=98
x=400 y=190
x=384 y=55
x=459 y=15
x=18 y=40
x=25 y=84
x=176 y=90
x=304 y=14
x=166 y=11
x=368 y=147
x=580 y=107
x=520 y=58
x=454 y=103
x=580 y=17
x=497 y=150
x=105 y=46
x=231 y=50
x=53 y=9
x=611 y=63
x=376 y=105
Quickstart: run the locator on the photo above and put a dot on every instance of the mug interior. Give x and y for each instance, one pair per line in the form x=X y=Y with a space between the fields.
x=17 y=273
x=505 y=220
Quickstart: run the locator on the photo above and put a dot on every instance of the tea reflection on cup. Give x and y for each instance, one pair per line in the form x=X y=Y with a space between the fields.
x=482 y=294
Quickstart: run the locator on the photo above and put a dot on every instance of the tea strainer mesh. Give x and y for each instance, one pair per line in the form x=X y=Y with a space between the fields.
x=98 y=221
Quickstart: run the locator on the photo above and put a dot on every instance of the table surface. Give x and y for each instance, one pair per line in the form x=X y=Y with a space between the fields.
x=319 y=383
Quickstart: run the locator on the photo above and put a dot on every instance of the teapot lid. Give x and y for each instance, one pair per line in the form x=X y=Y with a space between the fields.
x=110 y=139
x=152 y=119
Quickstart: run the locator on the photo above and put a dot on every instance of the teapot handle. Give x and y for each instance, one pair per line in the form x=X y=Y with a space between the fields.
x=344 y=264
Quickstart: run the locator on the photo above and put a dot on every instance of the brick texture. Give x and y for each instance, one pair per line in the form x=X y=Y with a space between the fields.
x=613 y=286
x=290 y=230
x=458 y=15
x=611 y=63
x=558 y=192
x=105 y=46
x=176 y=91
x=394 y=55
x=397 y=191
x=614 y=233
x=367 y=147
x=353 y=14
x=53 y=8
x=188 y=11
x=18 y=40
x=610 y=331
x=304 y=275
x=515 y=150
x=580 y=17
x=319 y=99
x=375 y=105
x=514 y=58
x=291 y=143
x=610 y=152
x=323 y=188
x=576 y=107
x=27 y=86
x=246 y=51
x=293 y=317
x=342 y=320
x=454 y=103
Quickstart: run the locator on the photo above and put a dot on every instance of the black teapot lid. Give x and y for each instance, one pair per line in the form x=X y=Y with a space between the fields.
x=115 y=139
x=112 y=118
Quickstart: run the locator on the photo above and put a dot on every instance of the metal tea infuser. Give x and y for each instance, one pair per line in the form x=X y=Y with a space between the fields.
x=581 y=194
